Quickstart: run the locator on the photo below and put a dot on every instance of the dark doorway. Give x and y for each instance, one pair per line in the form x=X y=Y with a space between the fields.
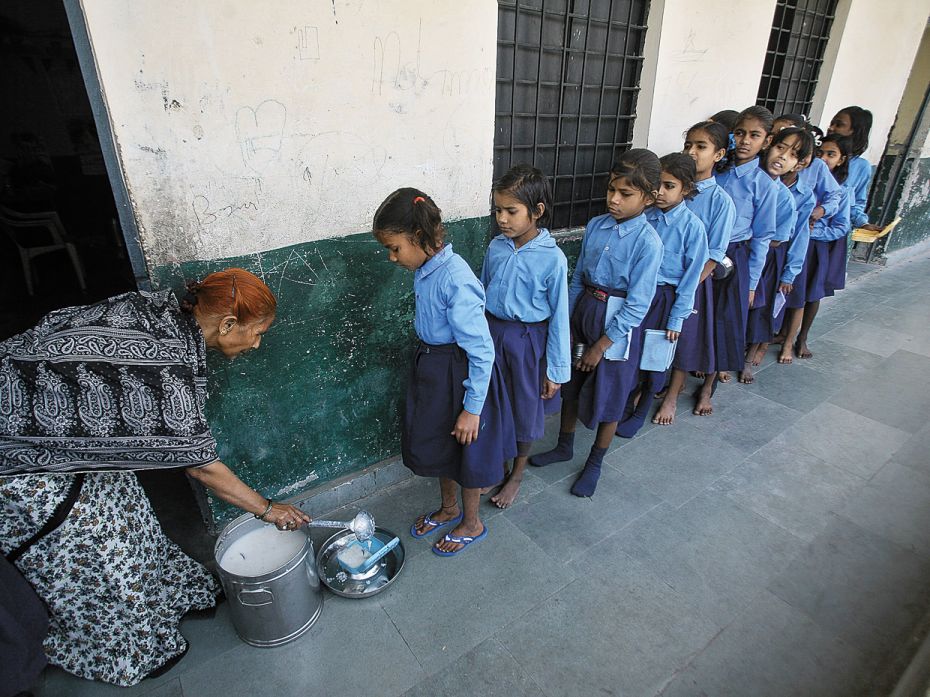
x=60 y=240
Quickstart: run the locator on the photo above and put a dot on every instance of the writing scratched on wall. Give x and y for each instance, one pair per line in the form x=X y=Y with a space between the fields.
x=207 y=214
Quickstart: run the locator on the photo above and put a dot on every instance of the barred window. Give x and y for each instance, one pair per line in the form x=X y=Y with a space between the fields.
x=567 y=82
x=800 y=31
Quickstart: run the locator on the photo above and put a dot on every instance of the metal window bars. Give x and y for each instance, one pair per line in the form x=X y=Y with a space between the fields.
x=800 y=31
x=567 y=82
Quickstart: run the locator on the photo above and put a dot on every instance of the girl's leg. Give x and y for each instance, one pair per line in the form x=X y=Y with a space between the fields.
x=704 y=406
x=790 y=328
x=563 y=450
x=587 y=480
x=449 y=507
x=471 y=525
x=745 y=375
x=810 y=312
x=666 y=414
x=508 y=493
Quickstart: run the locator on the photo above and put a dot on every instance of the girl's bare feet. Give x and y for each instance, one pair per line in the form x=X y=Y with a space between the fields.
x=665 y=416
x=745 y=375
x=723 y=376
x=508 y=493
x=703 y=406
x=800 y=347
x=785 y=356
x=760 y=354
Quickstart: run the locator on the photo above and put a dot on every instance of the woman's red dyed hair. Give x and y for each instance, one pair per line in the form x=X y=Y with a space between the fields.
x=234 y=292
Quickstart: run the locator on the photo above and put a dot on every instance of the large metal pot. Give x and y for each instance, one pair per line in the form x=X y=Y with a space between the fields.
x=275 y=607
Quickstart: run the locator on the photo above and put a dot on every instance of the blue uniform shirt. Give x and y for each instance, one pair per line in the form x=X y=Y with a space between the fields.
x=754 y=195
x=684 y=244
x=836 y=226
x=816 y=177
x=860 y=174
x=450 y=310
x=714 y=207
x=804 y=202
x=785 y=213
x=619 y=256
x=530 y=284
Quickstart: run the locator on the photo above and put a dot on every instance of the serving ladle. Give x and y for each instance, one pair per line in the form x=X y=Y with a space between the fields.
x=362 y=525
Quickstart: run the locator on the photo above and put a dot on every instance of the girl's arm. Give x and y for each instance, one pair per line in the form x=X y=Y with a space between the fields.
x=576 y=288
x=723 y=217
x=860 y=174
x=696 y=254
x=840 y=224
x=763 y=229
x=828 y=191
x=465 y=314
x=558 y=349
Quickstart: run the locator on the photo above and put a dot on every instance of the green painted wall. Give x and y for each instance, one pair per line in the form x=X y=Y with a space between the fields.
x=321 y=398
x=914 y=209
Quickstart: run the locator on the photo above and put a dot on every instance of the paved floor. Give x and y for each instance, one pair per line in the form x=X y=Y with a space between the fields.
x=780 y=547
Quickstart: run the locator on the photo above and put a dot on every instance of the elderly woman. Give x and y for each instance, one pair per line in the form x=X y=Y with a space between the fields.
x=86 y=397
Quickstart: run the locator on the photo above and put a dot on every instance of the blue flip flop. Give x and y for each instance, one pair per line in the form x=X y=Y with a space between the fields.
x=464 y=540
x=433 y=525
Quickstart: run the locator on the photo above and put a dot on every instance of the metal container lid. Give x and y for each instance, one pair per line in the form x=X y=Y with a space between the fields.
x=373 y=581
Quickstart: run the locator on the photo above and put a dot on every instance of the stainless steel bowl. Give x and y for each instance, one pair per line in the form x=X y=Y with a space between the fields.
x=723 y=269
x=363 y=585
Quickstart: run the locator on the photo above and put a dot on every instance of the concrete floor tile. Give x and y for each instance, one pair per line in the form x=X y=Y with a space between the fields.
x=795 y=385
x=54 y=682
x=842 y=363
x=844 y=439
x=915 y=453
x=773 y=650
x=743 y=419
x=790 y=487
x=625 y=635
x=711 y=551
x=676 y=462
x=487 y=670
x=557 y=471
x=857 y=585
x=867 y=336
x=353 y=649
x=895 y=503
x=895 y=393
x=565 y=525
x=445 y=606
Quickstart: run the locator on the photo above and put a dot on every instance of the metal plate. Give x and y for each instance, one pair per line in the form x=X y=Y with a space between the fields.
x=373 y=581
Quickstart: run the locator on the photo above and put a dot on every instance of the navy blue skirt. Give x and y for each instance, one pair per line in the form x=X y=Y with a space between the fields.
x=520 y=355
x=814 y=273
x=836 y=266
x=731 y=310
x=696 y=344
x=656 y=318
x=761 y=326
x=602 y=394
x=435 y=395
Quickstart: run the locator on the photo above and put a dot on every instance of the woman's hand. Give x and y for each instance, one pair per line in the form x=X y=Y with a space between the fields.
x=285 y=516
x=549 y=389
x=466 y=428
x=672 y=335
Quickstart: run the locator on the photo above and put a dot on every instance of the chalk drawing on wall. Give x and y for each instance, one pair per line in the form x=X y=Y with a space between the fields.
x=260 y=132
x=308 y=43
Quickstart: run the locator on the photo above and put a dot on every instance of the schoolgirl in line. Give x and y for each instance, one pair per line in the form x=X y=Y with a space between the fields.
x=611 y=290
x=855 y=123
x=780 y=161
x=525 y=276
x=706 y=143
x=458 y=424
x=755 y=196
x=685 y=255
x=821 y=275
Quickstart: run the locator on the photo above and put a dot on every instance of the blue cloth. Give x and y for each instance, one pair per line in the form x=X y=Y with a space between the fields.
x=786 y=214
x=684 y=244
x=450 y=310
x=804 y=202
x=530 y=284
x=857 y=183
x=714 y=207
x=836 y=226
x=818 y=178
x=619 y=256
x=755 y=196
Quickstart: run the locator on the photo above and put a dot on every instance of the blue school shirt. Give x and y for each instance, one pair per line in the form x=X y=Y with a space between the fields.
x=785 y=213
x=818 y=178
x=530 y=284
x=450 y=310
x=804 y=202
x=836 y=226
x=714 y=207
x=755 y=197
x=684 y=244
x=860 y=174
x=619 y=256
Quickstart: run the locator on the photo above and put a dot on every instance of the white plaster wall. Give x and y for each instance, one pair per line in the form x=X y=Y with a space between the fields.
x=876 y=50
x=710 y=57
x=247 y=126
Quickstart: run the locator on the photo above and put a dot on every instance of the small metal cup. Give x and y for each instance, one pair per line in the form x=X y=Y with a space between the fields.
x=723 y=269
x=578 y=351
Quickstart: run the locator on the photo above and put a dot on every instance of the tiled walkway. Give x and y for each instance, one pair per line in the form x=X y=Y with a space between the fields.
x=780 y=547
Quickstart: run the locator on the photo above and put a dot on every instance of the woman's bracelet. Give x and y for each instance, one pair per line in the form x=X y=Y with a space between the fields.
x=261 y=516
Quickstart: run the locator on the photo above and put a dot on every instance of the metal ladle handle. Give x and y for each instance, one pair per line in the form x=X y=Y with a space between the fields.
x=317 y=523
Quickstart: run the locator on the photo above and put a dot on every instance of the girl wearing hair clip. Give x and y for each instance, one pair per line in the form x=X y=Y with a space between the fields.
x=458 y=425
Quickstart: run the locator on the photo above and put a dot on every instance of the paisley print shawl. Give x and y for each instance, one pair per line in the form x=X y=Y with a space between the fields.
x=118 y=385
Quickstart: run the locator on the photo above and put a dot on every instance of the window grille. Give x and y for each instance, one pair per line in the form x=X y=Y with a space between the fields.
x=567 y=82
x=800 y=31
